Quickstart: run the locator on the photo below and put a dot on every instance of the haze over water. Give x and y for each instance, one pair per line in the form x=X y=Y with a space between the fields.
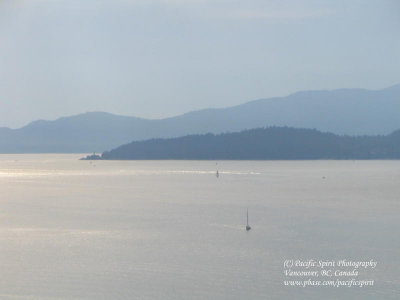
x=73 y=229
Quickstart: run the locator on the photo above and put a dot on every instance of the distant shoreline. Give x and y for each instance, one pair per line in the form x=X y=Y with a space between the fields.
x=273 y=143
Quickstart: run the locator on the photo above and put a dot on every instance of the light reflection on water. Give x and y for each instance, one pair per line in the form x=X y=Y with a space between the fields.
x=12 y=173
x=72 y=229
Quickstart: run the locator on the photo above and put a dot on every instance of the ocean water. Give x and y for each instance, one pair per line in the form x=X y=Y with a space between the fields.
x=72 y=229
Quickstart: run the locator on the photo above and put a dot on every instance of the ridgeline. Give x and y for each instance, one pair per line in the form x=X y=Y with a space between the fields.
x=273 y=143
x=343 y=111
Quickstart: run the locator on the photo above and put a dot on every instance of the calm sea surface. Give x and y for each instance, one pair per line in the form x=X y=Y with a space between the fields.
x=73 y=229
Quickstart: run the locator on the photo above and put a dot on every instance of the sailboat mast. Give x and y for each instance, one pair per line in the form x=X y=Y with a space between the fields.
x=247 y=226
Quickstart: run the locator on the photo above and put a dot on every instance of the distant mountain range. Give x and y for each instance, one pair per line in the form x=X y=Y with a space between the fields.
x=263 y=143
x=344 y=111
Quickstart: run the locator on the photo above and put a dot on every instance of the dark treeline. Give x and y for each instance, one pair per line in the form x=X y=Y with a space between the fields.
x=263 y=144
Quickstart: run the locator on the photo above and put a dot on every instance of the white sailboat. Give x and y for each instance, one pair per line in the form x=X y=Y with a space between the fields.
x=248 y=226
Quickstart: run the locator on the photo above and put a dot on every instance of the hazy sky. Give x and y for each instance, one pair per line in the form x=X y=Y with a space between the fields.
x=157 y=58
